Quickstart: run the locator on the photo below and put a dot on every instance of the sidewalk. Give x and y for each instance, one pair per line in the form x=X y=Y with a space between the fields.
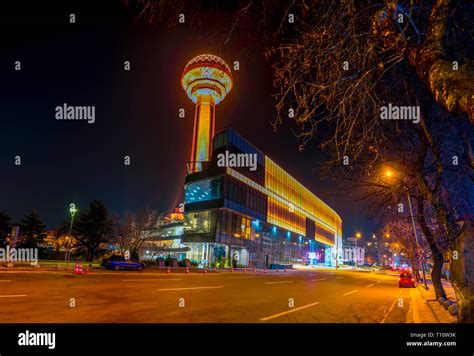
x=428 y=308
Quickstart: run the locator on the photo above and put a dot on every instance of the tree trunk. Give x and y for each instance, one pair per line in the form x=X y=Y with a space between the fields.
x=462 y=273
x=452 y=89
x=436 y=254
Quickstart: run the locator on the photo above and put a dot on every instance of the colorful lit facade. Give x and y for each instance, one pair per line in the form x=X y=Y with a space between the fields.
x=257 y=218
x=244 y=217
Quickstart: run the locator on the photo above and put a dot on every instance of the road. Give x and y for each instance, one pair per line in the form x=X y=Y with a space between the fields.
x=152 y=296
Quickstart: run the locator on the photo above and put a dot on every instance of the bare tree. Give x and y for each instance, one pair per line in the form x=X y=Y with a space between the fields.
x=135 y=229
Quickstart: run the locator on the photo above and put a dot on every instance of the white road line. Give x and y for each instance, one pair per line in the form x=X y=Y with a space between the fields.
x=5 y=280
x=354 y=291
x=13 y=296
x=370 y=285
x=388 y=312
x=318 y=279
x=279 y=282
x=289 y=311
x=239 y=277
x=189 y=288
x=150 y=279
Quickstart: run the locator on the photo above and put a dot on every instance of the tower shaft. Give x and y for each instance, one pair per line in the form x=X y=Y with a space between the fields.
x=204 y=125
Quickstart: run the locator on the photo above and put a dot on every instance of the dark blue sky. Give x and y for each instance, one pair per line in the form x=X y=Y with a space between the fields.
x=136 y=115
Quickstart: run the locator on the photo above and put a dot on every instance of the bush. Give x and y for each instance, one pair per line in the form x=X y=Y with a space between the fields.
x=150 y=263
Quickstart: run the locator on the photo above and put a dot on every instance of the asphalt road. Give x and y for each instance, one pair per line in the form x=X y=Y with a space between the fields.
x=151 y=296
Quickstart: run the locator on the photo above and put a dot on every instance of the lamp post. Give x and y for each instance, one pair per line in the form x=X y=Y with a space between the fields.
x=358 y=236
x=390 y=174
x=72 y=211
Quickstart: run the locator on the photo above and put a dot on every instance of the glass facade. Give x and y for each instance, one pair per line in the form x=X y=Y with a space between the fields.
x=172 y=231
x=233 y=225
x=264 y=216
x=243 y=198
x=208 y=189
x=300 y=200
x=198 y=222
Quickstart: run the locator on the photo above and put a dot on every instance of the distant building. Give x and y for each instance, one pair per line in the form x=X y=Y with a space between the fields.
x=167 y=241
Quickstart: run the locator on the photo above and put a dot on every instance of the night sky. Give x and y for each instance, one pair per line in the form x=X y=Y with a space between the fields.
x=136 y=115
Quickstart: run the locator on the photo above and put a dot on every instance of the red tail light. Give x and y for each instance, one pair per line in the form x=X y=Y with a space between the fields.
x=413 y=279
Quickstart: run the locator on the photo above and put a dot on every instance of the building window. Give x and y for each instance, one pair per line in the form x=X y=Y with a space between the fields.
x=203 y=190
x=198 y=222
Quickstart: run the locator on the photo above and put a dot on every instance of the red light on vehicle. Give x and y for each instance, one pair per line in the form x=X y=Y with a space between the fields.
x=400 y=280
x=413 y=279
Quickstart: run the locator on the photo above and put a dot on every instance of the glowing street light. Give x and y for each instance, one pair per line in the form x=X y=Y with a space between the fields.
x=358 y=236
x=389 y=174
x=72 y=211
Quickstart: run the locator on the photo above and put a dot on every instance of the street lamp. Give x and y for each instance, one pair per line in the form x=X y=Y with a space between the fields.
x=72 y=211
x=358 y=236
x=389 y=174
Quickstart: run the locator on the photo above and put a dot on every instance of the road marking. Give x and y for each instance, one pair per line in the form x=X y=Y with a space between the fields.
x=354 y=291
x=150 y=279
x=189 y=288
x=279 y=282
x=318 y=279
x=340 y=277
x=389 y=311
x=5 y=280
x=289 y=311
x=370 y=285
x=239 y=277
x=13 y=296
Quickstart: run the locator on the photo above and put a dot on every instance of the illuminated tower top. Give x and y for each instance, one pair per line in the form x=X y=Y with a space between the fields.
x=207 y=74
x=207 y=80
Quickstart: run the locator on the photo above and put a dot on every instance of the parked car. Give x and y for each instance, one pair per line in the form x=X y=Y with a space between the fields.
x=119 y=262
x=406 y=280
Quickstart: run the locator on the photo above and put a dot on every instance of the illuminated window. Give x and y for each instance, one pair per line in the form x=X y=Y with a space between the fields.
x=198 y=222
x=203 y=190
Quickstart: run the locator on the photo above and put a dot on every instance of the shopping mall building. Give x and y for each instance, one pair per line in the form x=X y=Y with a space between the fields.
x=245 y=209
x=255 y=217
